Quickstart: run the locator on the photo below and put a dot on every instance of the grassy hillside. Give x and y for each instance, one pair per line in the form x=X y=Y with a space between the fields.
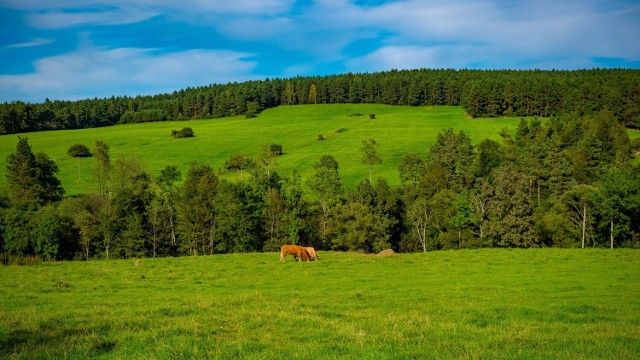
x=398 y=130
x=534 y=304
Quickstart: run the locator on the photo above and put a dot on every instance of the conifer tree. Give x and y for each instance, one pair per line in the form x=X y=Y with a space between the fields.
x=31 y=178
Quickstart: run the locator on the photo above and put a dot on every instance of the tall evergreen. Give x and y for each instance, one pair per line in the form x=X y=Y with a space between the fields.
x=32 y=178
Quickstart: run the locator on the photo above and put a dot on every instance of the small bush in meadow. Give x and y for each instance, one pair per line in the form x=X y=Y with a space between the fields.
x=184 y=133
x=276 y=149
x=237 y=162
x=79 y=150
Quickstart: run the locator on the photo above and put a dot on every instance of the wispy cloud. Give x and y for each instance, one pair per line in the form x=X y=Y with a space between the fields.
x=61 y=19
x=92 y=71
x=32 y=43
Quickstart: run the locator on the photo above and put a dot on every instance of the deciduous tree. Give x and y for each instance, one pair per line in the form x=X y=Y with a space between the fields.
x=370 y=155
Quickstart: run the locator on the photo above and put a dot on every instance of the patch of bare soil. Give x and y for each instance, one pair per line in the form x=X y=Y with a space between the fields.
x=387 y=252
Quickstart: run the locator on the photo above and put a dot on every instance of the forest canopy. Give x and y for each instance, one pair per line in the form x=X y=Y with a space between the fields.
x=482 y=93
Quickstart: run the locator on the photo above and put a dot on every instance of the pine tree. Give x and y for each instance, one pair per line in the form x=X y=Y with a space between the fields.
x=31 y=178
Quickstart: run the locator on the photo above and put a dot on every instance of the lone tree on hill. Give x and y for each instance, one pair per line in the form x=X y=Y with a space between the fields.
x=370 y=155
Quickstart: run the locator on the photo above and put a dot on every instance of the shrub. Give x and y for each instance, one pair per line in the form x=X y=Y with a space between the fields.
x=372 y=116
x=78 y=150
x=253 y=108
x=184 y=133
x=276 y=149
x=236 y=162
x=635 y=144
x=321 y=137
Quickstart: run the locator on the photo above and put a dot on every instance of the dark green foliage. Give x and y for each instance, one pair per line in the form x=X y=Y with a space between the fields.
x=196 y=210
x=238 y=162
x=103 y=165
x=511 y=210
x=455 y=155
x=411 y=169
x=186 y=132
x=48 y=230
x=143 y=116
x=169 y=175
x=21 y=173
x=635 y=145
x=253 y=108
x=276 y=149
x=326 y=186
x=79 y=150
x=618 y=204
x=32 y=178
x=488 y=157
x=372 y=116
x=17 y=230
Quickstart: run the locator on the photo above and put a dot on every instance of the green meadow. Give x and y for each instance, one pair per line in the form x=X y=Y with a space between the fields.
x=480 y=304
x=397 y=129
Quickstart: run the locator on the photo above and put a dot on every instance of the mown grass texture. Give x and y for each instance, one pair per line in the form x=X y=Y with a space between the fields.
x=398 y=130
x=488 y=303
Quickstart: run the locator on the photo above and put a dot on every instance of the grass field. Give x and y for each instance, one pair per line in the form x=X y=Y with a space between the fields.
x=489 y=303
x=398 y=129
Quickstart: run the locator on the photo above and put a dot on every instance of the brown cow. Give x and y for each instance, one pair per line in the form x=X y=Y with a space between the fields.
x=295 y=250
x=312 y=252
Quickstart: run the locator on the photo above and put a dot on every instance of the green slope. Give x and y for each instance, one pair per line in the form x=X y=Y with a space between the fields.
x=398 y=130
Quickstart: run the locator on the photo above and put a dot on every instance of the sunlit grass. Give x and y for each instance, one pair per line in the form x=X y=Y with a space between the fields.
x=398 y=129
x=490 y=303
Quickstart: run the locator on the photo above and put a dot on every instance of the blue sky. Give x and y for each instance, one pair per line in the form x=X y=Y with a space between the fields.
x=75 y=49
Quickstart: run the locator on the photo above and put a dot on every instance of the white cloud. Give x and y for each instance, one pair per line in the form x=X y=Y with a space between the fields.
x=95 y=72
x=61 y=19
x=256 y=7
x=414 y=57
x=325 y=28
x=392 y=34
x=32 y=43
x=544 y=34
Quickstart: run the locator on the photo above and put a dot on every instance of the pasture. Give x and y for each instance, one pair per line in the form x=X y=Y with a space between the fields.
x=397 y=129
x=488 y=303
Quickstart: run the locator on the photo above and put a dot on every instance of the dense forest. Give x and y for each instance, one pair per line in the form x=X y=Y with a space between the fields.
x=482 y=93
x=567 y=183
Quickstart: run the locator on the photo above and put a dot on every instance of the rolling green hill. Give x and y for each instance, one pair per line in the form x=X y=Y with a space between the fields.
x=398 y=129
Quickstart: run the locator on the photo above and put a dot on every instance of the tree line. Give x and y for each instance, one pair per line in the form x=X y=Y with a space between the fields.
x=566 y=183
x=482 y=93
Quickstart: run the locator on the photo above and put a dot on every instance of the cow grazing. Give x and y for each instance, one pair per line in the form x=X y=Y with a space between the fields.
x=295 y=250
x=312 y=252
